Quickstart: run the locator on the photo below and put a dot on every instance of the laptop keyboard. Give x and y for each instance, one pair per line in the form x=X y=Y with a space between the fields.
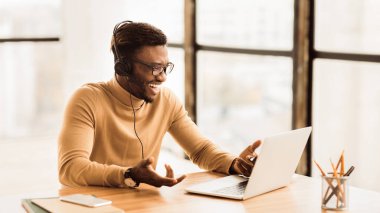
x=233 y=190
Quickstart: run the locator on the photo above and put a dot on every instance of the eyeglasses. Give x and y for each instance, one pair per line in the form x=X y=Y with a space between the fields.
x=157 y=69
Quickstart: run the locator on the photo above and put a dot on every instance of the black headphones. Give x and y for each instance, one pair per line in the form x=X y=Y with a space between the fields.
x=122 y=67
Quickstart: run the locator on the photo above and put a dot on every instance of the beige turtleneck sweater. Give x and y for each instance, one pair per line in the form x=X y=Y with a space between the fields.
x=97 y=142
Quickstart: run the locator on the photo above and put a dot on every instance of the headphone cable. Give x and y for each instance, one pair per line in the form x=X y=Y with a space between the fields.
x=134 y=126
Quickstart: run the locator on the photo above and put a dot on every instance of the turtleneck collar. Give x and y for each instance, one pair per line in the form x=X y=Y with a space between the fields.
x=123 y=95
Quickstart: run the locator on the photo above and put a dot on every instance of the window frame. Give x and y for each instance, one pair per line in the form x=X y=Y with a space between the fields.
x=303 y=54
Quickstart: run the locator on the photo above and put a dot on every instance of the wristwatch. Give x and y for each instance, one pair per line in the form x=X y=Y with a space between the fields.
x=128 y=180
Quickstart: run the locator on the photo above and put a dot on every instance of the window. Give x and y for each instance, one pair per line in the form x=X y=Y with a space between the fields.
x=30 y=19
x=167 y=15
x=246 y=68
x=246 y=24
x=347 y=26
x=242 y=98
x=244 y=92
x=345 y=101
x=57 y=57
x=30 y=70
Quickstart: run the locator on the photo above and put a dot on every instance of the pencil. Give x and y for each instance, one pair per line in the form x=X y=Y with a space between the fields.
x=342 y=164
x=320 y=169
x=338 y=184
x=339 y=161
x=341 y=175
x=334 y=169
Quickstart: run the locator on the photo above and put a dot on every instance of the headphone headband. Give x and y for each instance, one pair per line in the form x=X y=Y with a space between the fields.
x=115 y=29
x=121 y=67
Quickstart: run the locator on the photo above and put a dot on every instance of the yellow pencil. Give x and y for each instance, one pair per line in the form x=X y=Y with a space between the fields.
x=341 y=174
x=334 y=169
x=339 y=161
x=342 y=164
x=320 y=169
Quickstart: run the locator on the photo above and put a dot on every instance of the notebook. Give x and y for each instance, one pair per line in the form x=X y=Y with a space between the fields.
x=274 y=168
x=57 y=206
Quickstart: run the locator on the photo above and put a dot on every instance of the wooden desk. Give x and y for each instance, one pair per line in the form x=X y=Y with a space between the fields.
x=302 y=195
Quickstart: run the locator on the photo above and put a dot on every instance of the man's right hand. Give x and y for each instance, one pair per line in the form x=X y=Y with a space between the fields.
x=143 y=172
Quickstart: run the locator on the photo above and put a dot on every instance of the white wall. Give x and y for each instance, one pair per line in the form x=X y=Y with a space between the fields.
x=87 y=27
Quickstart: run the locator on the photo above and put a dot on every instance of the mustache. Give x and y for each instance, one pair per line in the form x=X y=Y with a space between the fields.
x=140 y=82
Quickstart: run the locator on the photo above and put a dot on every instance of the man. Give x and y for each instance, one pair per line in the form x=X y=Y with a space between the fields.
x=112 y=131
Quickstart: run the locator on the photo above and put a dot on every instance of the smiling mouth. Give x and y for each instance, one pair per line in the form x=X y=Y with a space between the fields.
x=154 y=88
x=154 y=85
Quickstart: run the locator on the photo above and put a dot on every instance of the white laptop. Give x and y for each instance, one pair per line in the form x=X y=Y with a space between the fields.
x=274 y=168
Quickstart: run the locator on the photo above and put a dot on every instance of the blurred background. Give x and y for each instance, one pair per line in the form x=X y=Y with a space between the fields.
x=244 y=68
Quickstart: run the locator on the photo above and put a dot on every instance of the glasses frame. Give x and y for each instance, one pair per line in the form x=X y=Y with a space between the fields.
x=157 y=69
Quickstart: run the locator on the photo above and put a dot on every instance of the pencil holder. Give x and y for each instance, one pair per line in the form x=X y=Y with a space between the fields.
x=335 y=192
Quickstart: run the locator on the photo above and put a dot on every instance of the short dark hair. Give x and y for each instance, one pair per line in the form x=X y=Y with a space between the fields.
x=132 y=36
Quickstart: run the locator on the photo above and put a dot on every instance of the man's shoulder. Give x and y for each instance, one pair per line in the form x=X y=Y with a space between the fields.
x=92 y=88
x=89 y=91
x=98 y=86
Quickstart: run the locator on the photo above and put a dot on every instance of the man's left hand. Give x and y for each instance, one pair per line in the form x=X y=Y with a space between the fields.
x=244 y=164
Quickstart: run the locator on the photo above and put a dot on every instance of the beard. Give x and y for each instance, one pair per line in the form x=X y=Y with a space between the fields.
x=138 y=88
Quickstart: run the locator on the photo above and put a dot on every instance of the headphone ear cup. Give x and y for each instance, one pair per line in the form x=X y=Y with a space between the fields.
x=128 y=68
x=120 y=68
x=123 y=68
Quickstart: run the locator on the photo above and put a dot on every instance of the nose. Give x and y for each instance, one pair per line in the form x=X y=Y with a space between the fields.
x=161 y=77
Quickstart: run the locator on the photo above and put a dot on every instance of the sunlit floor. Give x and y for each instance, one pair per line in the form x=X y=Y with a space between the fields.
x=31 y=166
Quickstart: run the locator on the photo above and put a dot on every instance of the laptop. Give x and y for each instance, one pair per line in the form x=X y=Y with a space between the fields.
x=274 y=168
